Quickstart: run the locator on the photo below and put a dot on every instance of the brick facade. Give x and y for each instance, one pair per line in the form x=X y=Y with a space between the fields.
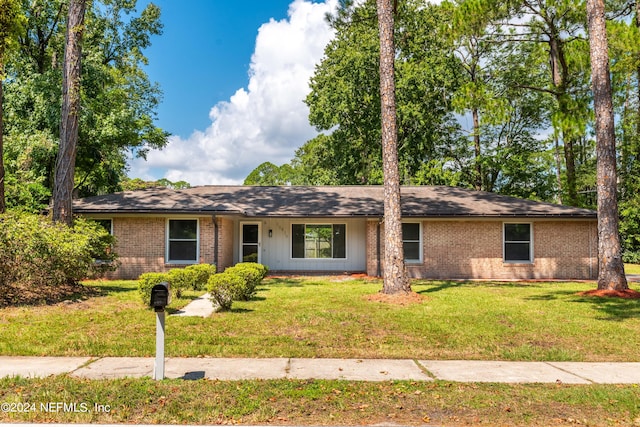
x=473 y=250
x=141 y=244
x=452 y=249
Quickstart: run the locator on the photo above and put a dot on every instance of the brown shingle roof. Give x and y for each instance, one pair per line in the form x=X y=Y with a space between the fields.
x=336 y=201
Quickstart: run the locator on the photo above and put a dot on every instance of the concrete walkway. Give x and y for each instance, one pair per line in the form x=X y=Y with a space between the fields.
x=229 y=369
x=200 y=307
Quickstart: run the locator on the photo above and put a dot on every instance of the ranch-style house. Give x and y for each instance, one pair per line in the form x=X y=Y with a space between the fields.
x=448 y=233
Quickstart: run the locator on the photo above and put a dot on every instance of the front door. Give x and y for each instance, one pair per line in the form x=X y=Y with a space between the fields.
x=250 y=242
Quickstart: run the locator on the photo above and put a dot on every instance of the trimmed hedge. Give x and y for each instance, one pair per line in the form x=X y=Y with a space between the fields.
x=237 y=283
x=201 y=273
x=252 y=273
x=180 y=279
x=146 y=281
x=224 y=288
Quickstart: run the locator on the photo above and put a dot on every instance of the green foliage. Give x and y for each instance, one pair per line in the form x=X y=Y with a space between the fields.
x=35 y=252
x=193 y=277
x=345 y=99
x=180 y=279
x=237 y=283
x=118 y=100
x=201 y=273
x=252 y=273
x=224 y=288
x=146 y=281
x=630 y=229
x=139 y=184
x=100 y=243
x=11 y=21
x=269 y=174
x=28 y=159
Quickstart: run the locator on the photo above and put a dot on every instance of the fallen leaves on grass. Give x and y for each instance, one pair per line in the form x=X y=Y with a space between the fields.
x=402 y=299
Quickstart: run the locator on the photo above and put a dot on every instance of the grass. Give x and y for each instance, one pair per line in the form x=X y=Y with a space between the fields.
x=333 y=317
x=143 y=401
x=632 y=268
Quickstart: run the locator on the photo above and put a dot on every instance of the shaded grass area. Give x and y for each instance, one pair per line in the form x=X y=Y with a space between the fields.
x=334 y=317
x=281 y=402
x=21 y=294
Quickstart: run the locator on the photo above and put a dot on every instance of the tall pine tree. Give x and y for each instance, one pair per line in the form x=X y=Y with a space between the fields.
x=395 y=275
x=66 y=160
x=610 y=267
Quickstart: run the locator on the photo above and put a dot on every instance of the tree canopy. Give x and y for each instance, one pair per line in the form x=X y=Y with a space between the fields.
x=118 y=100
x=490 y=95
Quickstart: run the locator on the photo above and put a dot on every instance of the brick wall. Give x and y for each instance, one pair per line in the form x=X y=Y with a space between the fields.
x=141 y=245
x=473 y=249
x=451 y=249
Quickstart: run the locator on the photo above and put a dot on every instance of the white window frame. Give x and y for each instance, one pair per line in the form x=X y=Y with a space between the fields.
x=420 y=243
x=332 y=224
x=168 y=241
x=504 y=243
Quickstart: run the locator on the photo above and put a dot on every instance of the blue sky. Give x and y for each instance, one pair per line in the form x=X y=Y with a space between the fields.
x=234 y=75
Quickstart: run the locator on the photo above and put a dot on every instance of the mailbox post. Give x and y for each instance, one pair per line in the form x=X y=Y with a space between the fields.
x=160 y=298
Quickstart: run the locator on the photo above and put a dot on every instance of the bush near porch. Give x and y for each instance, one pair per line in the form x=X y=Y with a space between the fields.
x=237 y=283
x=193 y=277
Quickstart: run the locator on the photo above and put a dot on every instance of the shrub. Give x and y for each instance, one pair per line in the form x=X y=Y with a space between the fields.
x=202 y=273
x=224 y=288
x=263 y=269
x=101 y=244
x=146 y=281
x=180 y=279
x=252 y=273
x=35 y=251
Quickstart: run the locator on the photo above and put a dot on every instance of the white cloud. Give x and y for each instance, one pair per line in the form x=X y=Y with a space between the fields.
x=267 y=121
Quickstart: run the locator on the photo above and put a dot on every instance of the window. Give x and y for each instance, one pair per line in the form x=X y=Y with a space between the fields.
x=107 y=224
x=182 y=241
x=517 y=243
x=411 y=241
x=315 y=241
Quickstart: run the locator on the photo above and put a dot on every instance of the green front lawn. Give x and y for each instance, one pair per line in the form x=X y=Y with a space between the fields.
x=335 y=317
x=332 y=317
x=282 y=402
x=632 y=268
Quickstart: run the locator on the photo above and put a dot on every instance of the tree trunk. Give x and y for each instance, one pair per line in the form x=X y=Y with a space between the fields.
x=610 y=267
x=556 y=154
x=559 y=73
x=476 y=147
x=638 y=78
x=570 y=169
x=395 y=276
x=65 y=162
x=3 y=205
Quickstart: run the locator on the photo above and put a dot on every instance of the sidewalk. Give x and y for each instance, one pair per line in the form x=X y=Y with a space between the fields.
x=229 y=369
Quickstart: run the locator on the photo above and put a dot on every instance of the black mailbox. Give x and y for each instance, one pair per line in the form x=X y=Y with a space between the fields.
x=160 y=296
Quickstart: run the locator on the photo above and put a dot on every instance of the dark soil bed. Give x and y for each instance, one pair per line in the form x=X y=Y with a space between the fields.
x=18 y=295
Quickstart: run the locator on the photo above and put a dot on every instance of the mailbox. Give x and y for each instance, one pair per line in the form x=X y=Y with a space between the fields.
x=160 y=296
